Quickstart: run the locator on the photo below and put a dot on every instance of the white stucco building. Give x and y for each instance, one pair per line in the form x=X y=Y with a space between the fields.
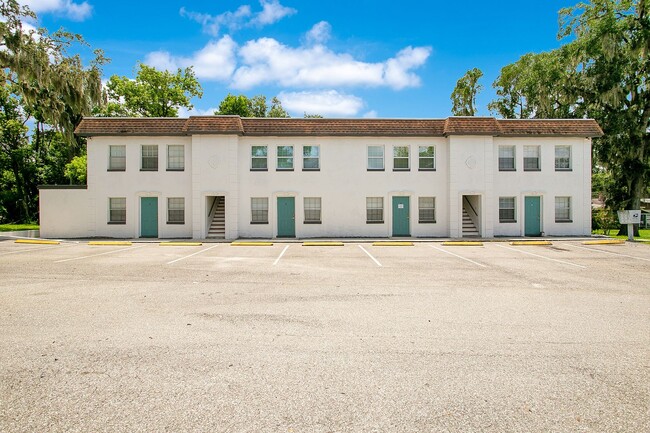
x=231 y=177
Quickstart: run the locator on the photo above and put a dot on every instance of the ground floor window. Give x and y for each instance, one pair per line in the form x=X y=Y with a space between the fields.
x=427 y=210
x=117 y=210
x=176 y=210
x=259 y=210
x=312 y=210
x=374 y=210
x=507 y=210
x=562 y=209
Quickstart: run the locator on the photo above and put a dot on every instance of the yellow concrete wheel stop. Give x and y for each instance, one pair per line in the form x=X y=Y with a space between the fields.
x=605 y=242
x=322 y=244
x=37 y=242
x=392 y=244
x=109 y=243
x=251 y=244
x=462 y=244
x=531 y=243
x=180 y=244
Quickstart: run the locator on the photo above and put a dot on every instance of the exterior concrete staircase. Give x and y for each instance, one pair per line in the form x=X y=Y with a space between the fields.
x=469 y=229
x=218 y=226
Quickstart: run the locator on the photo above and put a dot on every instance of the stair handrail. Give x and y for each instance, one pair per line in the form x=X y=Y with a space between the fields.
x=214 y=203
x=470 y=205
x=473 y=217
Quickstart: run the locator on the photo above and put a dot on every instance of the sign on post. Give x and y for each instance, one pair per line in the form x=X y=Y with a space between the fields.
x=629 y=217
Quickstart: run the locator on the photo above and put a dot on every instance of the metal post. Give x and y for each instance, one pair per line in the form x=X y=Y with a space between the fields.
x=630 y=232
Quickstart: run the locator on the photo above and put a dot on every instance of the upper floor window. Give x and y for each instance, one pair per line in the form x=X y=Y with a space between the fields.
x=531 y=158
x=117 y=158
x=117 y=210
x=562 y=158
x=176 y=210
x=375 y=157
x=259 y=156
x=175 y=157
x=311 y=157
x=149 y=157
x=506 y=158
x=507 y=210
x=562 y=209
x=401 y=158
x=259 y=210
x=312 y=210
x=285 y=158
x=427 y=158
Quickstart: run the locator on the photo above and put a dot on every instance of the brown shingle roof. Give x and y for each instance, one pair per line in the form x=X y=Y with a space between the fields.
x=111 y=126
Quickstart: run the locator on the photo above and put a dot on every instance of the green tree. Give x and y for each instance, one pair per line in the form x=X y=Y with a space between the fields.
x=463 y=97
x=312 y=116
x=153 y=93
x=75 y=170
x=256 y=106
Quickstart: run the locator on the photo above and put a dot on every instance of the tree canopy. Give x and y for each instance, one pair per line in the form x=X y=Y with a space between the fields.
x=464 y=95
x=256 y=106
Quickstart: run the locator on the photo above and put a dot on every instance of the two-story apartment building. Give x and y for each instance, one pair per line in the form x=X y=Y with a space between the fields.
x=231 y=177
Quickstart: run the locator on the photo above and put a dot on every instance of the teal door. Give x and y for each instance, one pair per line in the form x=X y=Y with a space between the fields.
x=286 y=217
x=401 y=216
x=532 y=216
x=149 y=217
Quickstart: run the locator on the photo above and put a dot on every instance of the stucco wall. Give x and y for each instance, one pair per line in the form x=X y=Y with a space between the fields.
x=65 y=213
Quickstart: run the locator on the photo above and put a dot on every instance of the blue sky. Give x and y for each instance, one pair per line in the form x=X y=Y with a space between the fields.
x=337 y=58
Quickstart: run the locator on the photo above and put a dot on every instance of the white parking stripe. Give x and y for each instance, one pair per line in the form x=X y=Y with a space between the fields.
x=542 y=257
x=281 y=254
x=460 y=257
x=609 y=252
x=370 y=255
x=193 y=254
x=28 y=249
x=100 y=254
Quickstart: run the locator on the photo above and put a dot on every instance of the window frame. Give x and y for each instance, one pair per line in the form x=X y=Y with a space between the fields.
x=110 y=157
x=369 y=209
x=170 y=220
x=407 y=158
x=255 y=157
x=310 y=208
x=291 y=158
x=567 y=209
x=423 y=208
x=142 y=157
x=369 y=157
x=570 y=159
x=513 y=158
x=112 y=208
x=182 y=157
x=306 y=158
x=539 y=158
x=266 y=210
x=503 y=220
x=424 y=158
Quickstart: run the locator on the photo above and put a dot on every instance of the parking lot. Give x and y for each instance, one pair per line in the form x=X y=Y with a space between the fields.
x=352 y=338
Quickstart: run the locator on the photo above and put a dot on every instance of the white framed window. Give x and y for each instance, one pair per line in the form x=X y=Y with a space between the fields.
x=427 y=210
x=426 y=158
x=149 y=157
x=285 y=158
x=531 y=158
x=259 y=158
x=562 y=158
x=176 y=210
x=117 y=210
x=259 y=210
x=175 y=157
x=312 y=210
x=401 y=158
x=375 y=157
x=116 y=158
x=507 y=158
x=311 y=158
x=562 y=209
x=507 y=210
x=374 y=210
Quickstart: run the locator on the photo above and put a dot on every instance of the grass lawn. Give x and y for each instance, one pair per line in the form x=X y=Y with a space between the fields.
x=643 y=234
x=17 y=227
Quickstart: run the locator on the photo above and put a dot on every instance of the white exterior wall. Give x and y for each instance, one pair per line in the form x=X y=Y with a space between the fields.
x=343 y=183
x=547 y=184
x=219 y=165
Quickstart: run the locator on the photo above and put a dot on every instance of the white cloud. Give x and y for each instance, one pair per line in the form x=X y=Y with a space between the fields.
x=326 y=103
x=266 y=61
x=68 y=8
x=272 y=12
x=372 y=114
x=215 y=61
x=319 y=34
x=184 y=112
